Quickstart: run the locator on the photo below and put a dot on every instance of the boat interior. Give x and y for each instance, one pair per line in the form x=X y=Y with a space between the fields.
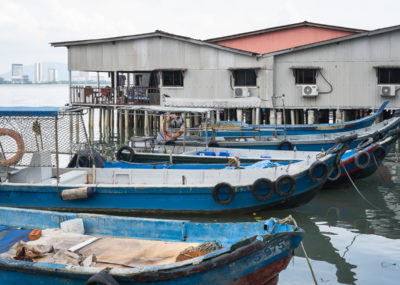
x=135 y=174
x=70 y=247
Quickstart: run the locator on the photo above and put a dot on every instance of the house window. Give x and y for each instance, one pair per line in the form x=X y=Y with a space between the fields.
x=172 y=78
x=245 y=77
x=305 y=76
x=388 y=75
x=138 y=80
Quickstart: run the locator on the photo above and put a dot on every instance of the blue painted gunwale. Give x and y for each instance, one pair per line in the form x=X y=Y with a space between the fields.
x=148 y=198
x=260 y=249
x=250 y=130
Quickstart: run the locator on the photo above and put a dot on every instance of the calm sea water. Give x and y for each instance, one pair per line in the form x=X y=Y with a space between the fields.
x=347 y=240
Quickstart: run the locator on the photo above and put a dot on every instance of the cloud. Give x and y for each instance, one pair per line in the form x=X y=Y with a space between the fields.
x=27 y=26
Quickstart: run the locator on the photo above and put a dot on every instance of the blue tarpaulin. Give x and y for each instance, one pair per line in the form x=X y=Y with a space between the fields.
x=8 y=237
x=29 y=111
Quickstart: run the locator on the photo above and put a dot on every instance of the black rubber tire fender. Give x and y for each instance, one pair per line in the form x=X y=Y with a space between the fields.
x=393 y=132
x=103 y=278
x=282 y=179
x=338 y=170
x=124 y=148
x=260 y=182
x=379 y=153
x=213 y=144
x=284 y=143
x=360 y=156
x=218 y=187
x=315 y=166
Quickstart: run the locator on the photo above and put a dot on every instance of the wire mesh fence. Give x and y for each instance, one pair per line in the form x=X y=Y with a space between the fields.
x=23 y=136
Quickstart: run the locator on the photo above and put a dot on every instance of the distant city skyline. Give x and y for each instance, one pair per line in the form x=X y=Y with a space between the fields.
x=47 y=72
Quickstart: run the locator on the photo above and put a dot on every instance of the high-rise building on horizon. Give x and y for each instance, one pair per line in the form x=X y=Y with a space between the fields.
x=17 y=70
x=38 y=74
x=25 y=79
x=52 y=75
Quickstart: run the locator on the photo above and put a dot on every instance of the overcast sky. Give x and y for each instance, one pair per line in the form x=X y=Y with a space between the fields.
x=28 y=26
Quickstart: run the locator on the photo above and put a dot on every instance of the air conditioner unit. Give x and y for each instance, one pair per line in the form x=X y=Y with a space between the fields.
x=240 y=92
x=309 y=90
x=387 y=90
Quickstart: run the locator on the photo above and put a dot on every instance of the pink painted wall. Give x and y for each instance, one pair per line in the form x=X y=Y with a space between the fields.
x=284 y=39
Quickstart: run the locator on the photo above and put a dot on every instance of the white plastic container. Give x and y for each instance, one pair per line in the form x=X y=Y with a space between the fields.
x=73 y=226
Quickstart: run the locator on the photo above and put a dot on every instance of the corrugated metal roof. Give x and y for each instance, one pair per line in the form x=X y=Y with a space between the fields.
x=157 y=33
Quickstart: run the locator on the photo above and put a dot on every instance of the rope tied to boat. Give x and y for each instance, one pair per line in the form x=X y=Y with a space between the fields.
x=289 y=219
x=358 y=190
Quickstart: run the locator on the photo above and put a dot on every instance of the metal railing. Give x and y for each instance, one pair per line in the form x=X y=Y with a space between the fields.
x=105 y=95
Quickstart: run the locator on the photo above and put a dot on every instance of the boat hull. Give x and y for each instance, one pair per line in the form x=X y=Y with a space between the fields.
x=131 y=200
x=301 y=144
x=258 y=259
x=240 y=129
x=255 y=251
x=355 y=172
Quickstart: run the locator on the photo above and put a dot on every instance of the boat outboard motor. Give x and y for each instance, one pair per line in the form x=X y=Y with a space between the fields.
x=83 y=159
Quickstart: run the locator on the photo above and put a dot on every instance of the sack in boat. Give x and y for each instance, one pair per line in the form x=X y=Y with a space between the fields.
x=196 y=251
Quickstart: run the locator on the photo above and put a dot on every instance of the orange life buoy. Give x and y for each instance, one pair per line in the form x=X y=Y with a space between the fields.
x=168 y=133
x=20 y=144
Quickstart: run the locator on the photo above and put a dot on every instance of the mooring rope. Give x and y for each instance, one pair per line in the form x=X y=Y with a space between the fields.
x=377 y=167
x=355 y=187
x=287 y=220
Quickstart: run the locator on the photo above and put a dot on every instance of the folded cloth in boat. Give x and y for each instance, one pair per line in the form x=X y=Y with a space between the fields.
x=27 y=252
x=60 y=239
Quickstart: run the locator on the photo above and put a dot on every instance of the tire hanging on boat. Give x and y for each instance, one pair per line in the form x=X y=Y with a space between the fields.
x=392 y=132
x=336 y=170
x=285 y=143
x=282 y=180
x=362 y=159
x=379 y=153
x=125 y=148
x=20 y=147
x=315 y=177
x=262 y=182
x=213 y=144
x=223 y=186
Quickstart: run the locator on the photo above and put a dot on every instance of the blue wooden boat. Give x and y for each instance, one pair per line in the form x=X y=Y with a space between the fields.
x=240 y=129
x=300 y=142
x=167 y=190
x=359 y=162
x=364 y=160
x=143 y=251
x=206 y=155
x=31 y=176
